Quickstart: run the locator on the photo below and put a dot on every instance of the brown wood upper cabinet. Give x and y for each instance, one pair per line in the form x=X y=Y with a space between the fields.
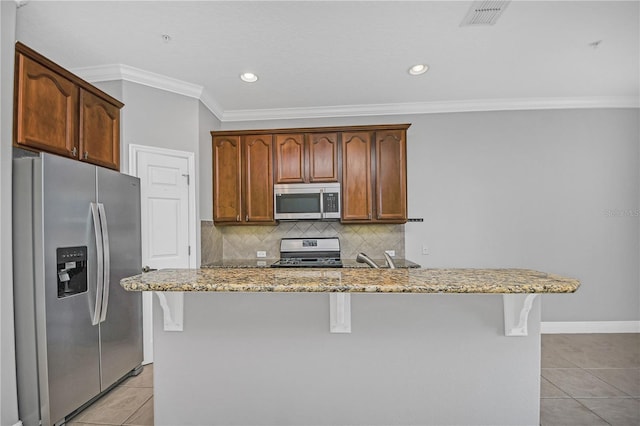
x=306 y=157
x=47 y=109
x=58 y=112
x=227 y=179
x=258 y=178
x=357 y=196
x=242 y=179
x=290 y=158
x=391 y=175
x=370 y=162
x=99 y=131
x=374 y=175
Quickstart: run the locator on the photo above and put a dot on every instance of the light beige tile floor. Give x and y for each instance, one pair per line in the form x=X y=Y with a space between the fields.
x=587 y=379
x=129 y=403
x=590 y=379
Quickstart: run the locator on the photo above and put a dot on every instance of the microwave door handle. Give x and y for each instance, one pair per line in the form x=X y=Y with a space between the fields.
x=321 y=203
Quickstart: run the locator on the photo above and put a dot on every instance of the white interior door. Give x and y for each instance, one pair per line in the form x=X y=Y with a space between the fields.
x=168 y=217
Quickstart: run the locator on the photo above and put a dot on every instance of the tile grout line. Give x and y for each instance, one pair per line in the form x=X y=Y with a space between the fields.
x=137 y=409
x=604 y=381
x=590 y=372
x=591 y=411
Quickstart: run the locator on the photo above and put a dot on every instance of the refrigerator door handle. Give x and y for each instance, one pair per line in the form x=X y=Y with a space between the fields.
x=107 y=263
x=100 y=263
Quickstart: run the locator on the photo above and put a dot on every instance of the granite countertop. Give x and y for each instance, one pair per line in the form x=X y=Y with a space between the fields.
x=266 y=262
x=241 y=263
x=353 y=280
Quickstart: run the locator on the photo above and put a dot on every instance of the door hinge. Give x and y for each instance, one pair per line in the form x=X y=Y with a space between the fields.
x=189 y=250
x=187 y=176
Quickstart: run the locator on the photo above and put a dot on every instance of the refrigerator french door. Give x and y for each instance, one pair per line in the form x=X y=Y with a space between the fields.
x=76 y=234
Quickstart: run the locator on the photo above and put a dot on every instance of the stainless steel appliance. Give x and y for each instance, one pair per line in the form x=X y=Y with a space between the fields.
x=76 y=233
x=301 y=201
x=309 y=252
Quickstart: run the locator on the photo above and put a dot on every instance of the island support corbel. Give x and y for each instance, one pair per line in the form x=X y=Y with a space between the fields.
x=516 y=313
x=340 y=312
x=172 y=304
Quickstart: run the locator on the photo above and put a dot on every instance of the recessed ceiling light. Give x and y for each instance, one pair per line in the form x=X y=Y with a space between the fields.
x=249 y=77
x=418 y=69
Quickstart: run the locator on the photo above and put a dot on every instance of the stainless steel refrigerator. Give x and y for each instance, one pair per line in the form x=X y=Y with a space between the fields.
x=76 y=233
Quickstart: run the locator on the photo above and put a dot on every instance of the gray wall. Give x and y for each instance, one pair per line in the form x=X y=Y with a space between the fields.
x=411 y=359
x=207 y=122
x=534 y=189
x=554 y=190
x=8 y=395
x=158 y=118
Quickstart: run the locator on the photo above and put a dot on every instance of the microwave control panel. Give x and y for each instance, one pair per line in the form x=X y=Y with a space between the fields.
x=330 y=202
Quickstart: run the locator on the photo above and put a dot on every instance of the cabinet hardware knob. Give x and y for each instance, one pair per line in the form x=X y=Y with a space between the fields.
x=86 y=155
x=238 y=218
x=74 y=151
x=246 y=218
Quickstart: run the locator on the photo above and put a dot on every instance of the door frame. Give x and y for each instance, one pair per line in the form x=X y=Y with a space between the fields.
x=147 y=297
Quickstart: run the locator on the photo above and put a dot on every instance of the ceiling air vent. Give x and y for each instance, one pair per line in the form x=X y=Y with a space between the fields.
x=484 y=13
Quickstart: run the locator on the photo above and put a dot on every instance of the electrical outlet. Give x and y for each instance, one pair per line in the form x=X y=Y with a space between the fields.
x=261 y=253
x=391 y=253
x=425 y=250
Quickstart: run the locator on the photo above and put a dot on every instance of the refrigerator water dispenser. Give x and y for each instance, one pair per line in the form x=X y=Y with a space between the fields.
x=71 y=270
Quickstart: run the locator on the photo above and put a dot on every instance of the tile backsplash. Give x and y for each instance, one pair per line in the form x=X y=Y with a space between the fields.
x=242 y=242
x=210 y=243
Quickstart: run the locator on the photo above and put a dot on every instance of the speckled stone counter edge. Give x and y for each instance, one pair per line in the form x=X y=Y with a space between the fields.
x=266 y=263
x=492 y=281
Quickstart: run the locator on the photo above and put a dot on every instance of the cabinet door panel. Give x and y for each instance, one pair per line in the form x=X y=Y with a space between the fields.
x=46 y=109
x=289 y=158
x=356 y=176
x=258 y=172
x=323 y=157
x=99 y=131
x=391 y=178
x=226 y=178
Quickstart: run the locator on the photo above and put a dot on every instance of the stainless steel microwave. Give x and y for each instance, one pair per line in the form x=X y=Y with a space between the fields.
x=300 y=201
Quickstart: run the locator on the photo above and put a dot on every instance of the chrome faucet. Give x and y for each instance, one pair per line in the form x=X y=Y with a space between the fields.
x=390 y=262
x=363 y=258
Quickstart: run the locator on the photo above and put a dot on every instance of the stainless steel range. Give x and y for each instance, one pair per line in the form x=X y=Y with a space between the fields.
x=309 y=253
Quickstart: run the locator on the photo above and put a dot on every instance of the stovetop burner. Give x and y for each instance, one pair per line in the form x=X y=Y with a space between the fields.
x=309 y=253
x=315 y=262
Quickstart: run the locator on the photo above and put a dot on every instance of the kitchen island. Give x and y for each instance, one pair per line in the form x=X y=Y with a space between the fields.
x=423 y=347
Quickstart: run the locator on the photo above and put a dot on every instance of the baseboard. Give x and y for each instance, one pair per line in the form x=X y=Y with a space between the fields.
x=577 y=327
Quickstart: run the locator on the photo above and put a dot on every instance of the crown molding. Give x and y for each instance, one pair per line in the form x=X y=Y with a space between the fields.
x=136 y=75
x=113 y=72
x=213 y=106
x=162 y=82
x=410 y=108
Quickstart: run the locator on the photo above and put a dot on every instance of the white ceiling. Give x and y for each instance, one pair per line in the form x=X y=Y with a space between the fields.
x=331 y=58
